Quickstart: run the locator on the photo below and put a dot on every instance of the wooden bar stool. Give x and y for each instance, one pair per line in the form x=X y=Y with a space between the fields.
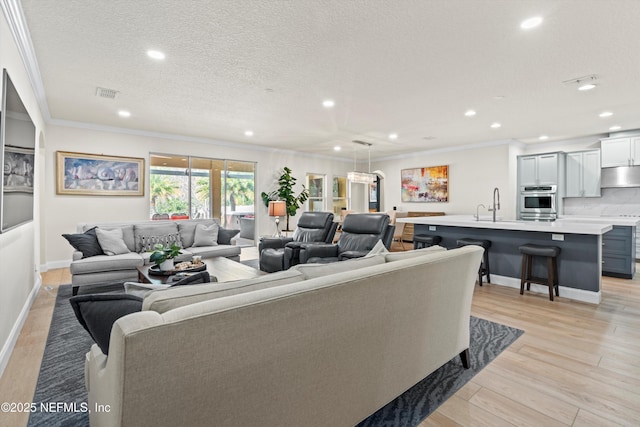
x=528 y=251
x=484 y=266
x=424 y=241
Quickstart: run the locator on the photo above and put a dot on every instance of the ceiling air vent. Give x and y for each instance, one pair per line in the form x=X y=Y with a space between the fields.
x=106 y=93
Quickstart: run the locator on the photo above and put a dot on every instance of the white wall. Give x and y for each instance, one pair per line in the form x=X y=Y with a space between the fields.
x=473 y=174
x=18 y=247
x=64 y=212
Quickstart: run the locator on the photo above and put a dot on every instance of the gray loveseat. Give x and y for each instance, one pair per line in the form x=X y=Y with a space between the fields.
x=112 y=269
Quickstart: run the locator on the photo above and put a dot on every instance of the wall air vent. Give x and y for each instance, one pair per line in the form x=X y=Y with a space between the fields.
x=106 y=93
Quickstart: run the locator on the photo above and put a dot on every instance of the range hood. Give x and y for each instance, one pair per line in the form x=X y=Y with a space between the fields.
x=621 y=176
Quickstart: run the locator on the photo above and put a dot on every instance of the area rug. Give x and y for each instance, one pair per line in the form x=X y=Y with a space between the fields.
x=61 y=378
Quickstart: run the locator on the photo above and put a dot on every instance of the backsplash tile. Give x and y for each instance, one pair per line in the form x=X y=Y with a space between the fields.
x=614 y=202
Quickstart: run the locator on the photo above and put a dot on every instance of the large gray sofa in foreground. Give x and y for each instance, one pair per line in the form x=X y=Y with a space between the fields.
x=112 y=269
x=315 y=345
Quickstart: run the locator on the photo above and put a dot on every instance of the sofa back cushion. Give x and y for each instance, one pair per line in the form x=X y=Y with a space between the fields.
x=164 y=300
x=127 y=231
x=397 y=256
x=148 y=234
x=311 y=271
x=187 y=229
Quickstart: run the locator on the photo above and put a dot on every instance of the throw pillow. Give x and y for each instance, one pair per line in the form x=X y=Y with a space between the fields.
x=147 y=243
x=225 y=235
x=86 y=242
x=97 y=313
x=205 y=235
x=112 y=241
x=379 y=248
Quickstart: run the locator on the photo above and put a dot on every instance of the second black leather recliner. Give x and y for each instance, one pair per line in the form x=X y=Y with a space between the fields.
x=360 y=233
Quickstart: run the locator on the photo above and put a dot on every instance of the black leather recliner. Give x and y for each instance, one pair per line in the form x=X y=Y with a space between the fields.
x=280 y=253
x=360 y=233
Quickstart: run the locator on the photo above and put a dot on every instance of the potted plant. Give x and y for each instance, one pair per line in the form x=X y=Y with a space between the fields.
x=163 y=256
x=285 y=192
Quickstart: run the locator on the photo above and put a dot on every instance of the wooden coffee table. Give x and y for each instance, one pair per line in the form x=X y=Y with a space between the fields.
x=222 y=268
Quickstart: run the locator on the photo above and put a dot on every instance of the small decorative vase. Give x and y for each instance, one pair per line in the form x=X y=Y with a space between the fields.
x=166 y=265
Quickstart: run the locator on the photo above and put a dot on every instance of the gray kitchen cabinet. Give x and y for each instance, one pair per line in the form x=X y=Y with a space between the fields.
x=623 y=151
x=619 y=252
x=583 y=174
x=539 y=169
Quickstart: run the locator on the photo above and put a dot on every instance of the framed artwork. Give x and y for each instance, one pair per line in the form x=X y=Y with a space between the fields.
x=373 y=193
x=99 y=175
x=18 y=170
x=430 y=184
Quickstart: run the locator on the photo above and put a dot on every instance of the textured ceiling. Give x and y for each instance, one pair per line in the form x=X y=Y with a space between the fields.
x=410 y=67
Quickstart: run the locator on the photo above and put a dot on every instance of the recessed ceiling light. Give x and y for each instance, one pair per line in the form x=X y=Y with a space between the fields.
x=328 y=103
x=337 y=148
x=393 y=136
x=531 y=23
x=248 y=133
x=470 y=113
x=155 y=54
x=123 y=113
x=499 y=97
x=495 y=125
x=606 y=114
x=616 y=127
x=543 y=137
x=586 y=86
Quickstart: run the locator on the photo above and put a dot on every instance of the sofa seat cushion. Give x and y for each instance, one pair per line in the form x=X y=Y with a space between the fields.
x=104 y=277
x=312 y=271
x=214 y=251
x=99 y=263
x=162 y=301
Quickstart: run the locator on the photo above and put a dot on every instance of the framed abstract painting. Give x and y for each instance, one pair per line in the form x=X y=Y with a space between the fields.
x=428 y=184
x=99 y=175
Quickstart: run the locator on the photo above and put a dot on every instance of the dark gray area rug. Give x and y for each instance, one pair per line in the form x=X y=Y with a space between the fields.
x=61 y=378
x=254 y=263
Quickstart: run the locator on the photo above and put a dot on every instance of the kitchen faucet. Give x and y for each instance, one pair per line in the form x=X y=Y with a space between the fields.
x=478 y=211
x=496 y=206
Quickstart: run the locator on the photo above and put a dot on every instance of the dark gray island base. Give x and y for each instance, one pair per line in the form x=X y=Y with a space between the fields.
x=578 y=263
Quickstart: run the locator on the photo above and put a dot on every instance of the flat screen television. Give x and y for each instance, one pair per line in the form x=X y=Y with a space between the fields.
x=17 y=155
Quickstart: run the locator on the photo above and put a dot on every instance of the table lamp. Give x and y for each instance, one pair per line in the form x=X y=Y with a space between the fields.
x=277 y=209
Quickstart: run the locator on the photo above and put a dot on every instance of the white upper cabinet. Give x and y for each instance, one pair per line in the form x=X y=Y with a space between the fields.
x=620 y=152
x=541 y=169
x=583 y=174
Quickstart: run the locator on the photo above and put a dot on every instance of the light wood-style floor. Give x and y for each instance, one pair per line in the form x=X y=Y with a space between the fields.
x=576 y=365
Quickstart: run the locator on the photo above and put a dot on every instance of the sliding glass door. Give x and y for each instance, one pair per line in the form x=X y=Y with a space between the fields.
x=197 y=187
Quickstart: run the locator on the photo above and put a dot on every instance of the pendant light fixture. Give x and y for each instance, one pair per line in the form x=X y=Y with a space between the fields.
x=361 y=177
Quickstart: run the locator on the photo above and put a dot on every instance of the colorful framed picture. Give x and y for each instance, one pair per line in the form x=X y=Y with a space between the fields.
x=99 y=175
x=429 y=184
x=18 y=170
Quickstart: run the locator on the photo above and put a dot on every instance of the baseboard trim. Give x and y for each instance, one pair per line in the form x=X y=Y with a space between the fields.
x=65 y=263
x=565 y=292
x=8 y=346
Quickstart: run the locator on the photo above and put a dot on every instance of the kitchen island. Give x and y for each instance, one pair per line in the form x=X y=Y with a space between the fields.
x=580 y=243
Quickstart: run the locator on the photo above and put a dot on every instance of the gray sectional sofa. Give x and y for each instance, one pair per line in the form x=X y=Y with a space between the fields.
x=112 y=269
x=315 y=345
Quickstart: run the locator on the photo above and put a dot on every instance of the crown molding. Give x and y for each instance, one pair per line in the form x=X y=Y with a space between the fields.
x=18 y=26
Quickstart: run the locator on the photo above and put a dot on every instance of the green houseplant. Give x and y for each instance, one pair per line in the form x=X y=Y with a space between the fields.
x=163 y=256
x=285 y=192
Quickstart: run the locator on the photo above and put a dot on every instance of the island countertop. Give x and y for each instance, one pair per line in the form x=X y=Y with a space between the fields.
x=595 y=226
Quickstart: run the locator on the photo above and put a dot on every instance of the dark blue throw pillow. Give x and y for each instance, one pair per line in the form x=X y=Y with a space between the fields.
x=97 y=314
x=86 y=242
